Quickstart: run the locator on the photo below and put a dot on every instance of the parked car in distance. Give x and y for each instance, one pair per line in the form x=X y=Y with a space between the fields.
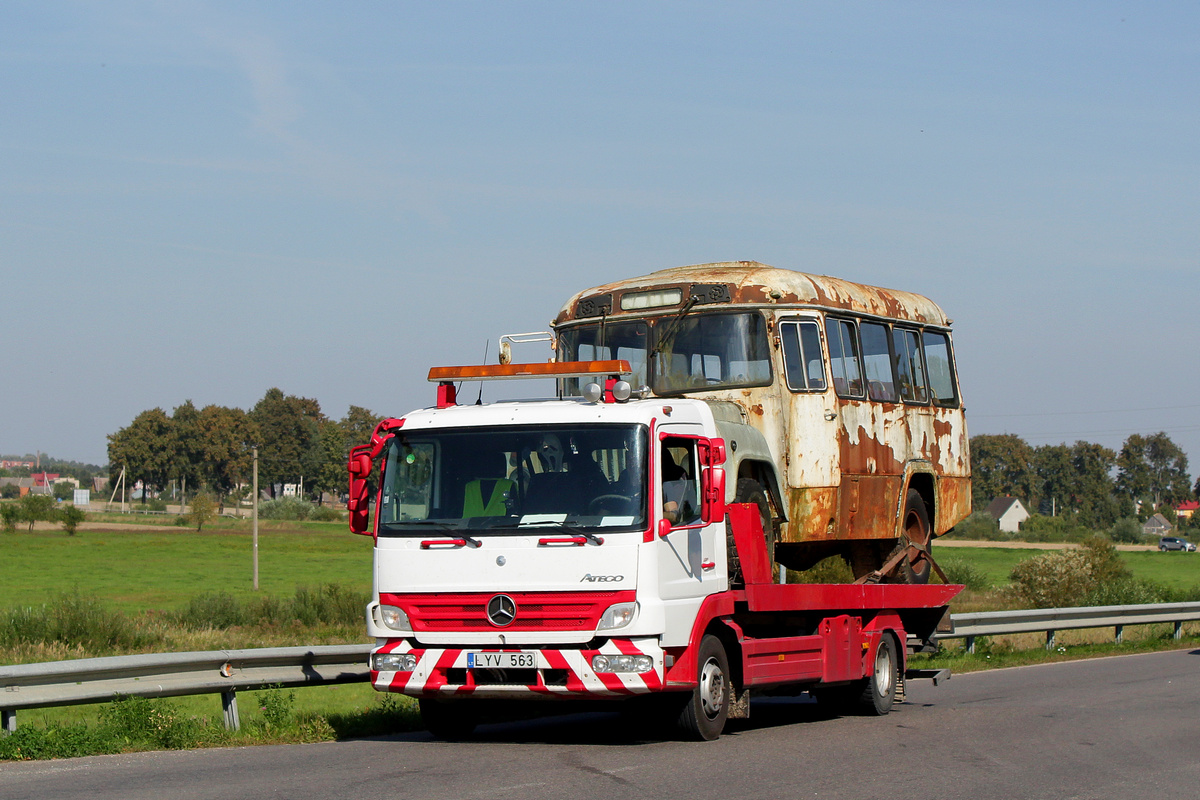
x=1175 y=543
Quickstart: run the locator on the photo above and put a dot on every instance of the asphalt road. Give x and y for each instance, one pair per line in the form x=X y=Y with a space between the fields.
x=1109 y=728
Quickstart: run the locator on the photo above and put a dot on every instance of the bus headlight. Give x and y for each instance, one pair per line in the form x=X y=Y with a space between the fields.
x=622 y=663
x=394 y=618
x=393 y=662
x=617 y=616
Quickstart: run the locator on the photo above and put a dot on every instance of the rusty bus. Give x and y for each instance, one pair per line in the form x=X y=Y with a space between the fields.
x=839 y=401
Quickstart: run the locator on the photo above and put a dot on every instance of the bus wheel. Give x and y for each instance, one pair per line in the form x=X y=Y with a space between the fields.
x=449 y=721
x=879 y=694
x=750 y=491
x=703 y=718
x=915 y=528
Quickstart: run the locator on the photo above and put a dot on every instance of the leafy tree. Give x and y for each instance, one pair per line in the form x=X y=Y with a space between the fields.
x=10 y=491
x=144 y=449
x=1154 y=468
x=1092 y=484
x=70 y=517
x=226 y=436
x=36 y=508
x=186 y=445
x=289 y=431
x=62 y=491
x=1055 y=476
x=1001 y=465
x=358 y=425
x=204 y=508
x=331 y=474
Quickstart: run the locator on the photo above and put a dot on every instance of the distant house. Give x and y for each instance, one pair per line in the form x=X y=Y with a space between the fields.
x=1156 y=526
x=1185 y=510
x=1009 y=512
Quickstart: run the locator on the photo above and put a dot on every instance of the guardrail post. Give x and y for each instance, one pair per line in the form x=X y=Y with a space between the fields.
x=1049 y=640
x=8 y=721
x=229 y=704
x=971 y=645
x=1120 y=634
x=1178 y=629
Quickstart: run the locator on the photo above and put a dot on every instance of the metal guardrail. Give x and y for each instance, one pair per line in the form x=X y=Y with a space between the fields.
x=1051 y=620
x=226 y=672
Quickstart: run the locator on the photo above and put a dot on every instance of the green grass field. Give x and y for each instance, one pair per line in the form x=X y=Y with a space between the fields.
x=135 y=571
x=1178 y=571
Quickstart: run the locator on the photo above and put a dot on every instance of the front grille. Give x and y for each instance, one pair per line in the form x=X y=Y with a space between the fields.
x=536 y=611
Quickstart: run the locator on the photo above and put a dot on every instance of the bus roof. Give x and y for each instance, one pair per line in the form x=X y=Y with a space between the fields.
x=752 y=283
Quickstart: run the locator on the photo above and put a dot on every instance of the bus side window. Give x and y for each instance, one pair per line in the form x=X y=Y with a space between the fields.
x=910 y=371
x=843 y=358
x=802 y=361
x=877 y=358
x=941 y=368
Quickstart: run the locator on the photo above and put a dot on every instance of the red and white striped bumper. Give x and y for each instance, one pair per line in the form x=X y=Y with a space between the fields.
x=565 y=673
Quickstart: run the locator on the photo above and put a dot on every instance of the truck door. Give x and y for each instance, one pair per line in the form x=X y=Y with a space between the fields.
x=691 y=558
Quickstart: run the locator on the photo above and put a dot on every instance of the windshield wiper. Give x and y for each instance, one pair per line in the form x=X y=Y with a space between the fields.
x=565 y=528
x=457 y=533
x=666 y=336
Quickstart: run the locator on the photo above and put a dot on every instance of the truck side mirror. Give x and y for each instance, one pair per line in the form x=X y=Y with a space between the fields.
x=712 y=495
x=359 y=497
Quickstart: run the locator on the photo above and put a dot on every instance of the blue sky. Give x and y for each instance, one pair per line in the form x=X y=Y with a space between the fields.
x=203 y=200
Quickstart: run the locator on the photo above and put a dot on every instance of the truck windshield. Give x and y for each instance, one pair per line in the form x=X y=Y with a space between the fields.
x=513 y=479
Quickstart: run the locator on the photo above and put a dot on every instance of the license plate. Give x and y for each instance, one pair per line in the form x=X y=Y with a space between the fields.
x=501 y=660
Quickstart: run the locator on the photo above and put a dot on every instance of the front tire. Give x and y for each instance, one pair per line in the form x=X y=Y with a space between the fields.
x=704 y=716
x=879 y=695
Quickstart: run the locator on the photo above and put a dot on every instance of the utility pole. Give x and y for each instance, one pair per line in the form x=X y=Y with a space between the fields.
x=254 y=528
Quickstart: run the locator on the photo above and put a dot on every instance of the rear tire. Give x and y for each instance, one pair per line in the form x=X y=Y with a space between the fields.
x=915 y=528
x=703 y=718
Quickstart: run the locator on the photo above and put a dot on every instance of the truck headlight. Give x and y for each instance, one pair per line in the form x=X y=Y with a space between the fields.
x=617 y=616
x=622 y=663
x=394 y=618
x=393 y=662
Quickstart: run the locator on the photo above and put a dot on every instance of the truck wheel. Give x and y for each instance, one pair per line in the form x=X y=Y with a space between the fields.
x=749 y=491
x=879 y=694
x=915 y=528
x=448 y=721
x=703 y=718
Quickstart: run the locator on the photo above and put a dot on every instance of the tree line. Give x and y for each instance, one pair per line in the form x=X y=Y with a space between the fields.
x=1094 y=483
x=211 y=448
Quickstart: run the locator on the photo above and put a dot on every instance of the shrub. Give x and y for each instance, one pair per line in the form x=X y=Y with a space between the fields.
x=326 y=514
x=70 y=517
x=276 y=706
x=214 y=610
x=1063 y=528
x=156 y=504
x=979 y=526
x=830 y=570
x=10 y=515
x=1127 y=531
x=959 y=571
x=286 y=508
x=142 y=721
x=1067 y=577
x=72 y=620
x=204 y=508
x=36 y=508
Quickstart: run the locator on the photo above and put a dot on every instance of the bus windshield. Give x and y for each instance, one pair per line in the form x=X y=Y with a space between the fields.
x=692 y=353
x=572 y=478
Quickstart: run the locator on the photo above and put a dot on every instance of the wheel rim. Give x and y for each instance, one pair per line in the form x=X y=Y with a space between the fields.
x=917 y=533
x=884 y=674
x=712 y=689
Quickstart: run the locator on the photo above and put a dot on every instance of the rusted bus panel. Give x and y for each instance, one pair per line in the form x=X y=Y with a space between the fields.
x=753 y=283
x=953 y=503
x=812 y=514
x=869 y=505
x=872 y=438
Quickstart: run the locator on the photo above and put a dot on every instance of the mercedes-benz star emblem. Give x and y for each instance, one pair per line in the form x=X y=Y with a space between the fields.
x=501 y=610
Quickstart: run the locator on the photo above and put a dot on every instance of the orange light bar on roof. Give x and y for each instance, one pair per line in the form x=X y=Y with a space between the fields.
x=553 y=369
